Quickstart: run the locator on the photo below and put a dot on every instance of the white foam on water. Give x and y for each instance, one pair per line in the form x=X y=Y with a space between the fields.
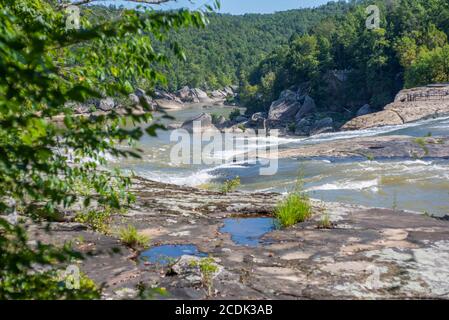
x=325 y=137
x=347 y=185
x=191 y=180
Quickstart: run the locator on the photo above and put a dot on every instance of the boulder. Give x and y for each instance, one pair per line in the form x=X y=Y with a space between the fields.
x=240 y=119
x=187 y=95
x=134 y=99
x=78 y=108
x=140 y=97
x=168 y=104
x=322 y=126
x=218 y=94
x=303 y=127
x=199 y=123
x=184 y=93
x=366 y=109
x=258 y=120
x=285 y=108
x=229 y=91
x=201 y=95
x=220 y=121
x=307 y=107
x=106 y=104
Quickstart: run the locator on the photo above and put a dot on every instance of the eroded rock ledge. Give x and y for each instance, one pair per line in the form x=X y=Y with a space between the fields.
x=388 y=147
x=371 y=253
x=410 y=105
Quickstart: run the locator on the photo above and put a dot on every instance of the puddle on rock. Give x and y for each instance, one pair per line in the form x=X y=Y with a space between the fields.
x=248 y=231
x=166 y=254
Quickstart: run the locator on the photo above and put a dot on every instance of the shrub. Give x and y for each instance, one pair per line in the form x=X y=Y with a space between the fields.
x=230 y=185
x=207 y=268
x=234 y=114
x=423 y=144
x=132 y=238
x=97 y=220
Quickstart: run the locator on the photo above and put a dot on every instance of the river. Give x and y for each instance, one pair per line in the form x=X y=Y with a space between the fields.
x=415 y=185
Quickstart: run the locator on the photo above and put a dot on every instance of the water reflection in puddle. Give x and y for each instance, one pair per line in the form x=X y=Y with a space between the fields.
x=248 y=231
x=166 y=254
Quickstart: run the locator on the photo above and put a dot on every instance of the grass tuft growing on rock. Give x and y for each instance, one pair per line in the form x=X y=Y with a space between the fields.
x=293 y=209
x=132 y=238
x=296 y=207
x=325 y=222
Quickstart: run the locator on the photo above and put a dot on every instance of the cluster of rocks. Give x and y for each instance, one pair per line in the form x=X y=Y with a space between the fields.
x=196 y=95
x=295 y=112
x=159 y=99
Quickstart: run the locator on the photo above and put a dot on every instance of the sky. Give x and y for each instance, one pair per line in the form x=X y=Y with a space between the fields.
x=242 y=6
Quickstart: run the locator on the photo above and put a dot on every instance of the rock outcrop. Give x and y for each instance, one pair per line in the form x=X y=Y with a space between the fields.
x=324 y=125
x=196 y=95
x=387 y=147
x=290 y=107
x=409 y=106
x=199 y=123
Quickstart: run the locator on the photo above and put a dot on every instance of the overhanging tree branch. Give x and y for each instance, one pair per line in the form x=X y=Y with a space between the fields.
x=82 y=2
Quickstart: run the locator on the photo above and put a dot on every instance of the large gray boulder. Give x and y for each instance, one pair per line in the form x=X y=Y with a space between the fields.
x=291 y=107
x=324 y=125
x=218 y=94
x=106 y=104
x=201 y=95
x=199 y=123
x=307 y=107
x=285 y=108
x=78 y=107
x=140 y=97
x=187 y=95
x=303 y=127
x=220 y=121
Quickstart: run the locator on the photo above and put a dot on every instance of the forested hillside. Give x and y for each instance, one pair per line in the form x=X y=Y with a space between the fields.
x=315 y=49
x=409 y=49
x=230 y=47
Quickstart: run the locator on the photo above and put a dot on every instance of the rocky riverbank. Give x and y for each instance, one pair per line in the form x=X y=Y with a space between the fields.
x=388 y=147
x=295 y=113
x=410 y=105
x=368 y=253
x=159 y=100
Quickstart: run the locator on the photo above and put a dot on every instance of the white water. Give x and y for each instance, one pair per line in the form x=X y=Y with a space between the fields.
x=416 y=185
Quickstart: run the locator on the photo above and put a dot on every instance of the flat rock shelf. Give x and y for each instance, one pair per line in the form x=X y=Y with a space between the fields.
x=370 y=253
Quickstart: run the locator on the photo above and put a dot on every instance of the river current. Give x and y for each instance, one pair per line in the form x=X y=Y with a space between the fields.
x=420 y=185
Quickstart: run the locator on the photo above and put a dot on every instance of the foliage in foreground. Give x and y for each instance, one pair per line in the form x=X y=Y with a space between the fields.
x=22 y=275
x=44 y=67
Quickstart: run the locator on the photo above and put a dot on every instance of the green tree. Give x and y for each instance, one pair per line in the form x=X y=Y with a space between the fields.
x=43 y=164
x=430 y=67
